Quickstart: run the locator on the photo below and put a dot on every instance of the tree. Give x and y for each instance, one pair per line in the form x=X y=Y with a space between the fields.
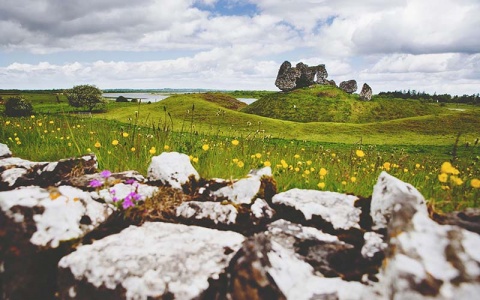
x=18 y=107
x=87 y=96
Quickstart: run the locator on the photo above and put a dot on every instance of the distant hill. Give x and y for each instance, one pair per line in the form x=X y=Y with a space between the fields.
x=323 y=103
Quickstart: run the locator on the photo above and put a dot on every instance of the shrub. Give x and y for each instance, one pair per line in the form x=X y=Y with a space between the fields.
x=121 y=99
x=87 y=96
x=18 y=107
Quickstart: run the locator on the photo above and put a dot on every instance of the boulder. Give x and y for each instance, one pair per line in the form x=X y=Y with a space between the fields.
x=349 y=86
x=290 y=78
x=155 y=261
x=366 y=93
x=427 y=259
x=321 y=209
x=15 y=172
x=172 y=168
x=4 y=151
x=39 y=226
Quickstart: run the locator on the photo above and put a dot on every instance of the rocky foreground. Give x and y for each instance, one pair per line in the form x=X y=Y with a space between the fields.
x=68 y=231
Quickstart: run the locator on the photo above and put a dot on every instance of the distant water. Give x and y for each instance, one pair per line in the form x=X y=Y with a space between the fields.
x=152 y=97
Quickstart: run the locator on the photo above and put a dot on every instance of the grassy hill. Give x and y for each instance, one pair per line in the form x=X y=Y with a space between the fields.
x=198 y=112
x=330 y=104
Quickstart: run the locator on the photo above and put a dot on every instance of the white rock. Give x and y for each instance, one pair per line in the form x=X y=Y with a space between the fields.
x=63 y=209
x=11 y=175
x=121 y=190
x=4 y=150
x=241 y=192
x=298 y=231
x=387 y=193
x=336 y=208
x=261 y=210
x=18 y=162
x=373 y=244
x=214 y=211
x=145 y=259
x=430 y=252
x=172 y=168
x=296 y=280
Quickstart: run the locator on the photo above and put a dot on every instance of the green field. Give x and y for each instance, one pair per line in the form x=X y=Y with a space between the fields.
x=409 y=139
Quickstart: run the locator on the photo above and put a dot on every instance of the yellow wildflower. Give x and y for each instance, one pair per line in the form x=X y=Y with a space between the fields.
x=386 y=166
x=125 y=134
x=449 y=169
x=306 y=172
x=152 y=150
x=205 y=147
x=309 y=162
x=115 y=142
x=284 y=164
x=475 y=183
x=456 y=180
x=258 y=155
x=235 y=160
x=296 y=156
x=267 y=163
x=443 y=177
x=344 y=182
x=97 y=144
x=166 y=147
x=321 y=185
x=417 y=166
x=235 y=142
x=132 y=149
x=7 y=122
x=359 y=153
x=297 y=169
x=32 y=116
x=322 y=172
x=353 y=179
x=240 y=164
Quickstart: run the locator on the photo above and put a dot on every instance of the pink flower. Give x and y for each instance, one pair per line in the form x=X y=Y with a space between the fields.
x=105 y=173
x=95 y=183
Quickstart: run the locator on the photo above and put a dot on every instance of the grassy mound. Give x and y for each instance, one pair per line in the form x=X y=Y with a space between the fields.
x=330 y=104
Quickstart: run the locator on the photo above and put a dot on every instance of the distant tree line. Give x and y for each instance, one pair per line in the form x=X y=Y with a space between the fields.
x=440 y=98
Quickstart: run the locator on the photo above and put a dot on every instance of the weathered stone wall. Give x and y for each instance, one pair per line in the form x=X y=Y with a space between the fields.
x=67 y=236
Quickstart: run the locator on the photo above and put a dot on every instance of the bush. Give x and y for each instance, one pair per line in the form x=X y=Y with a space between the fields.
x=18 y=107
x=121 y=99
x=87 y=96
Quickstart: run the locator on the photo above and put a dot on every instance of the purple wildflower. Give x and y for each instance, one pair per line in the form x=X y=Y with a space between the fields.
x=130 y=181
x=95 y=183
x=127 y=203
x=105 y=173
x=114 y=199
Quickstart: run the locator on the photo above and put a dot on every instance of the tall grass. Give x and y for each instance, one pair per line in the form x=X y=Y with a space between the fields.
x=347 y=168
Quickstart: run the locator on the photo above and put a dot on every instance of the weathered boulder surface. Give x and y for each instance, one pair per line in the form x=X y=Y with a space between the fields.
x=155 y=261
x=289 y=78
x=38 y=225
x=225 y=239
x=366 y=92
x=349 y=86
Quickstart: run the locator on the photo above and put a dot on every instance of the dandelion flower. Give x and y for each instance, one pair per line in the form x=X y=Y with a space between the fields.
x=205 y=147
x=344 y=182
x=475 y=183
x=353 y=179
x=456 y=180
x=240 y=164
x=7 y=122
x=115 y=142
x=359 y=153
x=267 y=163
x=97 y=144
x=132 y=149
x=125 y=134
x=321 y=185
x=443 y=177
x=166 y=147
x=284 y=164
x=449 y=169
x=296 y=156
x=322 y=172
x=258 y=155
x=195 y=159
x=152 y=150
x=235 y=142
x=386 y=166
x=32 y=116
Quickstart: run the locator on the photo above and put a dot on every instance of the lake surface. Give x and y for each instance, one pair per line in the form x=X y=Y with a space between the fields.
x=152 y=97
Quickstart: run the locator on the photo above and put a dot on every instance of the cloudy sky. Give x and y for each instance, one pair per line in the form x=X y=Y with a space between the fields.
x=426 y=45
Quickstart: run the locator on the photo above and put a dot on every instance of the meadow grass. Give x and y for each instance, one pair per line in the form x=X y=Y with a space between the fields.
x=341 y=167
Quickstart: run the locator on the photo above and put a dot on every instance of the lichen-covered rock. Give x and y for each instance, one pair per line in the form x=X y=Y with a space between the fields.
x=332 y=208
x=4 y=151
x=154 y=261
x=389 y=194
x=366 y=92
x=264 y=269
x=301 y=75
x=83 y=181
x=172 y=168
x=349 y=86
x=429 y=260
x=38 y=226
x=468 y=219
x=15 y=172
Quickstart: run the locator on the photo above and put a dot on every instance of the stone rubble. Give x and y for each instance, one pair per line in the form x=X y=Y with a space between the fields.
x=226 y=239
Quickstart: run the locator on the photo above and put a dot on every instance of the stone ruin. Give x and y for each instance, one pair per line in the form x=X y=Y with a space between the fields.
x=61 y=238
x=300 y=76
